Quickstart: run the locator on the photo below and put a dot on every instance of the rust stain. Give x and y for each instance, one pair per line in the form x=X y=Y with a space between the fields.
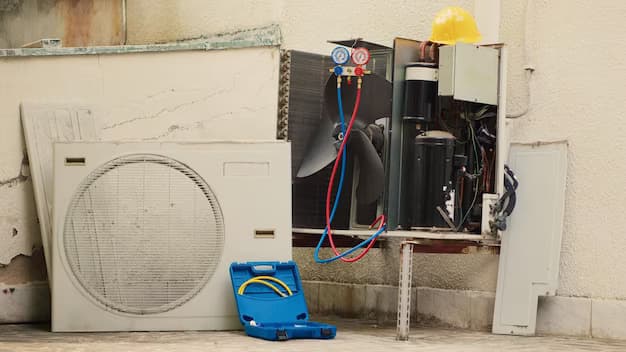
x=91 y=22
x=117 y=34
x=78 y=16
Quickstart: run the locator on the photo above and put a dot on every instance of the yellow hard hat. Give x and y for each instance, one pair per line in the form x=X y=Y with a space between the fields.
x=454 y=24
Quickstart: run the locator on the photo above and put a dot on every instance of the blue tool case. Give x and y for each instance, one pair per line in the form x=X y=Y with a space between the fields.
x=265 y=313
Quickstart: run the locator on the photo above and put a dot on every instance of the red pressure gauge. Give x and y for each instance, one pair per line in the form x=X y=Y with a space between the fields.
x=360 y=56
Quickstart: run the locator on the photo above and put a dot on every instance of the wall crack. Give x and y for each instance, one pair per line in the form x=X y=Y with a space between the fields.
x=21 y=178
x=166 y=110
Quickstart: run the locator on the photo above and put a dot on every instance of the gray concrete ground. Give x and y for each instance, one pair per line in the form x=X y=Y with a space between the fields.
x=352 y=336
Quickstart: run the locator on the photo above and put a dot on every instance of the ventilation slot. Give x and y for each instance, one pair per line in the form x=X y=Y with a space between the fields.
x=264 y=234
x=75 y=161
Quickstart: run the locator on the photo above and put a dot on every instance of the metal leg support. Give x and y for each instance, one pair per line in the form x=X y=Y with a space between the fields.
x=404 y=290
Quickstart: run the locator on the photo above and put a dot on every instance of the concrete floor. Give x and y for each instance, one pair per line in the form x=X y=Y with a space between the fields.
x=351 y=336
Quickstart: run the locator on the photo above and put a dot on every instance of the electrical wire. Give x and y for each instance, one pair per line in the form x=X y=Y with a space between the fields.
x=477 y=172
x=341 y=155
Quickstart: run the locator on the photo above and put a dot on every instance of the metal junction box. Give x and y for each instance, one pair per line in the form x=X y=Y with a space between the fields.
x=469 y=73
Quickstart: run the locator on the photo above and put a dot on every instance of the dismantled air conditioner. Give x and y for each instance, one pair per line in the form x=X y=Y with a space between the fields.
x=429 y=144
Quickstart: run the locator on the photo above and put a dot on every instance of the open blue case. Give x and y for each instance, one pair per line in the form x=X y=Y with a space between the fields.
x=265 y=314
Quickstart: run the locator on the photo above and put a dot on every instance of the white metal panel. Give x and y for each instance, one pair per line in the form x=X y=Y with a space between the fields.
x=469 y=73
x=44 y=124
x=243 y=198
x=531 y=246
x=476 y=74
x=445 y=85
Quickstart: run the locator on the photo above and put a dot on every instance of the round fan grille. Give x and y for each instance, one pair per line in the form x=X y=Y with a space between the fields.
x=143 y=234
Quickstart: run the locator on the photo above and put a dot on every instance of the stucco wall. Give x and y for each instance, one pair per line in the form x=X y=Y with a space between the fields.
x=306 y=25
x=577 y=93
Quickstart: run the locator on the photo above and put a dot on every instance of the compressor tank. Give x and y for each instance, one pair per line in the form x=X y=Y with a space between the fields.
x=430 y=184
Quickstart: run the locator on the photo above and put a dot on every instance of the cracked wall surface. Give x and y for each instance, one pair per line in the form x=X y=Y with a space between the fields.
x=188 y=95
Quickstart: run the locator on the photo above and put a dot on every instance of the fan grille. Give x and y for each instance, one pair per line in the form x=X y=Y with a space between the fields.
x=143 y=234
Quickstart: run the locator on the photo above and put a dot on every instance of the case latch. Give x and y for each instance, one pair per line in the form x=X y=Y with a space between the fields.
x=281 y=335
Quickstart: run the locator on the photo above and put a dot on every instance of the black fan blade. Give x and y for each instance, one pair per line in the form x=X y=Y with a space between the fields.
x=371 y=170
x=375 y=104
x=375 y=99
x=321 y=150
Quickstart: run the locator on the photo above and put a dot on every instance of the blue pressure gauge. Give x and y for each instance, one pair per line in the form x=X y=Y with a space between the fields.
x=340 y=55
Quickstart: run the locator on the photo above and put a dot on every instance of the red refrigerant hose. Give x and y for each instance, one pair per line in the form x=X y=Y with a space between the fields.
x=380 y=220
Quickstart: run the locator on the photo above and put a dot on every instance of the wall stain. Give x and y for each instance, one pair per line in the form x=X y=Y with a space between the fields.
x=84 y=20
x=78 y=15
x=46 y=5
x=10 y=5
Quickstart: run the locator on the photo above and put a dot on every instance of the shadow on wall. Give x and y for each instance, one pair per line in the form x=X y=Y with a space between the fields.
x=75 y=22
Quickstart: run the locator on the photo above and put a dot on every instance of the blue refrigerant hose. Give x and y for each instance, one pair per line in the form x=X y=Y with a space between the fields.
x=344 y=156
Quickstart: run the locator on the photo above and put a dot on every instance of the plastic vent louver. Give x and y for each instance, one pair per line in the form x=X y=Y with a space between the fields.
x=143 y=234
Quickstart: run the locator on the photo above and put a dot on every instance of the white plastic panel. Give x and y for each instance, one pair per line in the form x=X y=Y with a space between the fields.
x=44 y=124
x=243 y=197
x=531 y=246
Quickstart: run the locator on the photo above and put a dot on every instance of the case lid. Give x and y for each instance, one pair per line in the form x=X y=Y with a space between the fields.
x=260 y=303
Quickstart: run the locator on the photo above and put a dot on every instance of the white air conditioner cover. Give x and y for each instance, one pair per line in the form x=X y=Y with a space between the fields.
x=144 y=233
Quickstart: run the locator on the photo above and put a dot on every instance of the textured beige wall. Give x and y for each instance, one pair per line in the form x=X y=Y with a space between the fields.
x=380 y=266
x=577 y=93
x=306 y=25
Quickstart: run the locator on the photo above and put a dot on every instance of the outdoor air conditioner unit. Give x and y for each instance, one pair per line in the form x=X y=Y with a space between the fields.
x=144 y=233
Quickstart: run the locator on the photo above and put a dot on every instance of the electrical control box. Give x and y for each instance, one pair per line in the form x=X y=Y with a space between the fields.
x=469 y=73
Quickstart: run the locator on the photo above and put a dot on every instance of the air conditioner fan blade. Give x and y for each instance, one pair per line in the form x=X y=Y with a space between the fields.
x=322 y=149
x=371 y=169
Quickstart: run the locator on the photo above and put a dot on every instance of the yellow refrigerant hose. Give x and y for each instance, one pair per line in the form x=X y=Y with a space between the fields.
x=262 y=280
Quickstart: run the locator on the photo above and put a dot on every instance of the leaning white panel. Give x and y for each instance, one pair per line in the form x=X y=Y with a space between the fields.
x=531 y=246
x=44 y=124
x=144 y=233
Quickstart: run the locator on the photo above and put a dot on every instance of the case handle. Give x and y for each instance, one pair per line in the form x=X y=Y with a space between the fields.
x=263 y=268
